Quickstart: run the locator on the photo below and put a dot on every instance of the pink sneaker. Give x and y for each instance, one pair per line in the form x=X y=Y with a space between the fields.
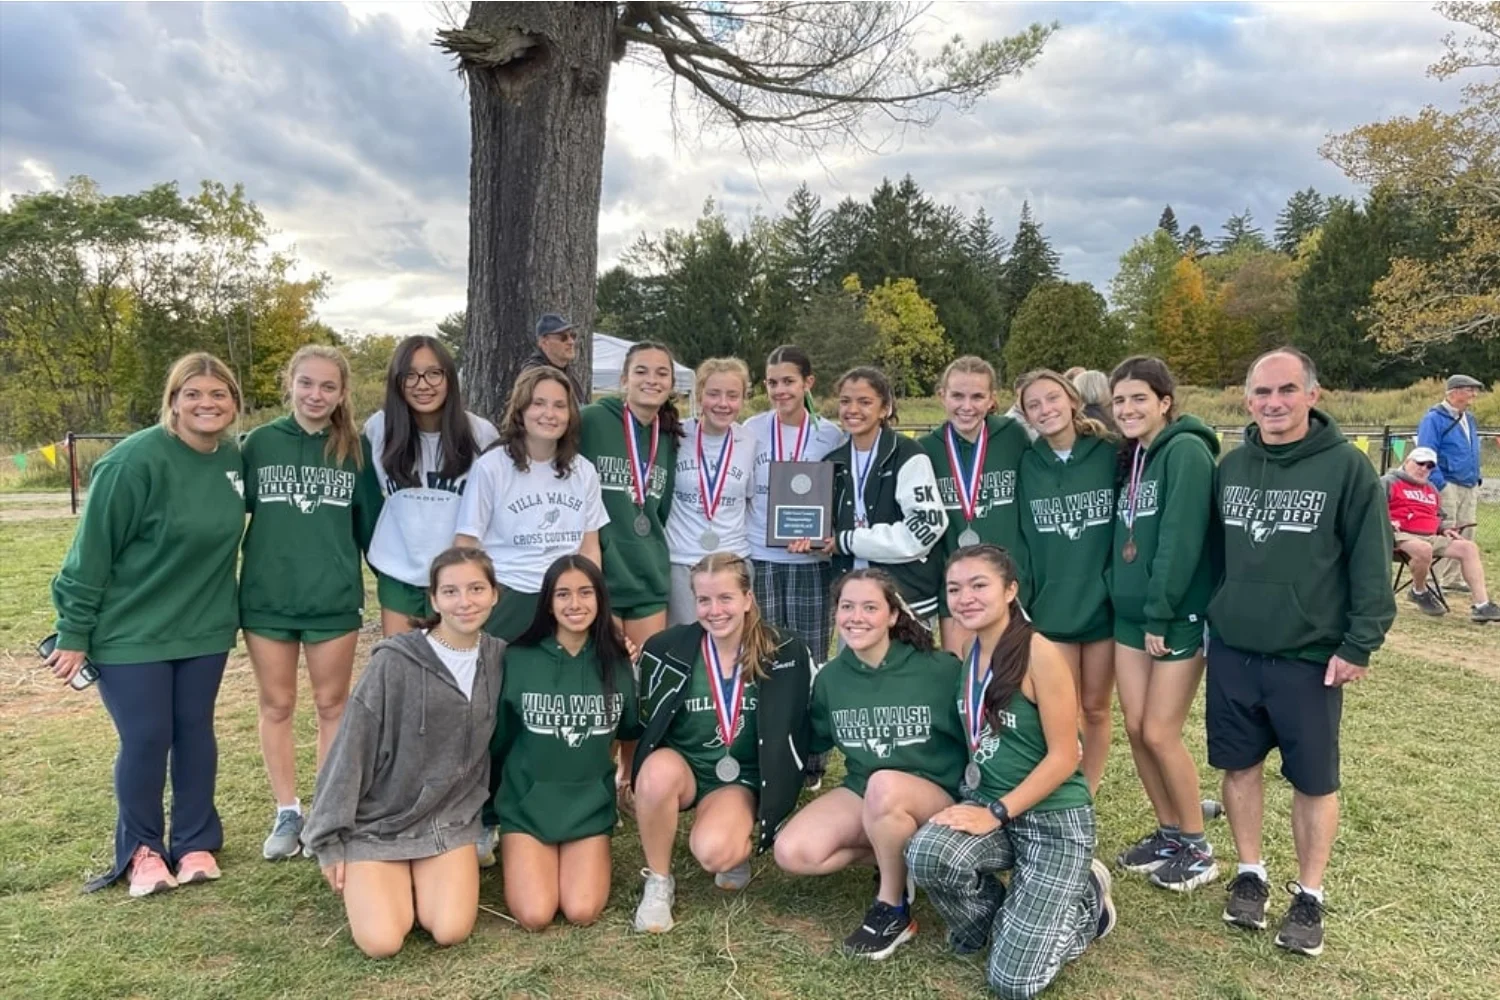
x=149 y=873
x=197 y=866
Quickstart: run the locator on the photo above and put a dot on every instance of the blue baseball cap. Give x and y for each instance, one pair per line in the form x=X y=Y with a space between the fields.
x=551 y=323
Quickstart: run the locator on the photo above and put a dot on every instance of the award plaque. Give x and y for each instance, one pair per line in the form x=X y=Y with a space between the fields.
x=799 y=499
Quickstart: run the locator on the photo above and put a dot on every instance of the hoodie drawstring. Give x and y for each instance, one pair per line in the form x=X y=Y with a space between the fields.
x=422 y=726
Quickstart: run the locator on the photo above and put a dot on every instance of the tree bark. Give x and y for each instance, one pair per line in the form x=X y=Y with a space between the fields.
x=538 y=75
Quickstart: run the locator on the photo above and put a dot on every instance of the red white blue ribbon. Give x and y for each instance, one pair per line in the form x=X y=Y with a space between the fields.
x=711 y=484
x=728 y=695
x=974 y=688
x=778 y=448
x=640 y=475
x=967 y=483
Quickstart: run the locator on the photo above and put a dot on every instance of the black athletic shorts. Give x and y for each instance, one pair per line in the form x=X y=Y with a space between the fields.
x=1257 y=702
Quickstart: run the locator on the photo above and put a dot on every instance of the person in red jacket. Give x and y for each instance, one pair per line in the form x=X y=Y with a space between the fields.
x=1423 y=532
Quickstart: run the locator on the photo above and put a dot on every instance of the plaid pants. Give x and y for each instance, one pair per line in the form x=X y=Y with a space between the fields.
x=1050 y=913
x=794 y=598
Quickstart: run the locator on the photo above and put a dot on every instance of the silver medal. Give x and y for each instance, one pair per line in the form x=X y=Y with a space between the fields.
x=642 y=525
x=971 y=776
x=710 y=540
x=968 y=537
x=801 y=484
x=727 y=769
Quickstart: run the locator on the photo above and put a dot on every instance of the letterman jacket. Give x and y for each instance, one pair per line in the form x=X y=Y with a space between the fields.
x=906 y=513
x=666 y=663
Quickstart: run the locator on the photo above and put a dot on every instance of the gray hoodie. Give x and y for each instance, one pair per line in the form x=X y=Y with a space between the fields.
x=409 y=769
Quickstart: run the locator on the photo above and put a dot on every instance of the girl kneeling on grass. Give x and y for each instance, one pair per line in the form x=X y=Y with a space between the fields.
x=886 y=701
x=569 y=692
x=725 y=703
x=396 y=813
x=147 y=593
x=1026 y=808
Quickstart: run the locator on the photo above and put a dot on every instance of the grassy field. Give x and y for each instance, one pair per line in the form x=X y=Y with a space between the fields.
x=1412 y=887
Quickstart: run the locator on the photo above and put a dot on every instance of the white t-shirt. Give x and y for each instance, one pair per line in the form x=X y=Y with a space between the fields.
x=864 y=462
x=687 y=522
x=416 y=524
x=461 y=663
x=526 y=520
x=822 y=437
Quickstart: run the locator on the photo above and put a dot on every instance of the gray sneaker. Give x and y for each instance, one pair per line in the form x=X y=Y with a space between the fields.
x=1302 y=927
x=735 y=878
x=654 y=915
x=284 y=841
x=1427 y=601
x=1189 y=869
x=489 y=839
x=1486 y=612
x=1148 y=854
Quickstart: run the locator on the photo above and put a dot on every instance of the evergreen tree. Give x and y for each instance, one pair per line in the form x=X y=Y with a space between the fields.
x=1241 y=233
x=1032 y=262
x=1194 y=243
x=1061 y=324
x=1168 y=224
x=984 y=247
x=1304 y=212
x=798 y=247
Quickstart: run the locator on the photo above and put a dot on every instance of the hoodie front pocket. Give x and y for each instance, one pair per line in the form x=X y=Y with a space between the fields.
x=1262 y=617
x=409 y=823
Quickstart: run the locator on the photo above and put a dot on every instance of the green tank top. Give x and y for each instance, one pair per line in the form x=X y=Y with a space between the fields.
x=1005 y=760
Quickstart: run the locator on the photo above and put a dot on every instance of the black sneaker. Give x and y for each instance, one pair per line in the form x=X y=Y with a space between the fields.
x=1486 y=612
x=1148 y=854
x=1428 y=602
x=1246 y=907
x=1099 y=875
x=1187 y=870
x=883 y=930
x=812 y=772
x=1302 y=927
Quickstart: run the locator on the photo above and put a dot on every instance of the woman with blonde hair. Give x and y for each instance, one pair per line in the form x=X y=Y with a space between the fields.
x=147 y=593
x=724 y=704
x=301 y=589
x=710 y=498
x=1066 y=489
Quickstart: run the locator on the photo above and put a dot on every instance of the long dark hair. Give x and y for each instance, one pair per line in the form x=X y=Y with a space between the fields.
x=878 y=381
x=609 y=644
x=403 y=444
x=513 y=424
x=452 y=557
x=671 y=420
x=905 y=629
x=1158 y=378
x=1012 y=656
x=791 y=354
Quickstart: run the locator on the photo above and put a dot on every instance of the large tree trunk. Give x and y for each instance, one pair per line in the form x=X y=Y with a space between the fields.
x=537 y=75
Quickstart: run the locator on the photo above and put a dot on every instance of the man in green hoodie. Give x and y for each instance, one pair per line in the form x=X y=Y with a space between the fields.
x=1303 y=548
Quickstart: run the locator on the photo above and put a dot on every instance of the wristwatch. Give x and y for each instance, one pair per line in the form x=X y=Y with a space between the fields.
x=998 y=810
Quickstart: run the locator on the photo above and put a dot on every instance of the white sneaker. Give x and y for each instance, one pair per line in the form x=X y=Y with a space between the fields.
x=489 y=839
x=654 y=915
x=735 y=878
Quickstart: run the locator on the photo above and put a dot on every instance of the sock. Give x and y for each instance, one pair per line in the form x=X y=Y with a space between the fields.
x=1170 y=832
x=1314 y=893
x=1257 y=868
x=1418 y=590
x=1198 y=840
x=295 y=806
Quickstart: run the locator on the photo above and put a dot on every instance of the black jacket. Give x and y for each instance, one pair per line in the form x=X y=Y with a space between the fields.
x=667 y=662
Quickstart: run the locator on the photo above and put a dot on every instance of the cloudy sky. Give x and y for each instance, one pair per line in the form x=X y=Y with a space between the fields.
x=351 y=131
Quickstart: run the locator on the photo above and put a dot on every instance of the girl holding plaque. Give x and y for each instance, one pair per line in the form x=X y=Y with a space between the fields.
x=886 y=701
x=886 y=508
x=568 y=693
x=632 y=439
x=1066 y=488
x=711 y=495
x=791 y=586
x=725 y=708
x=531 y=497
x=422 y=444
x=976 y=454
x=1026 y=808
x=1160 y=583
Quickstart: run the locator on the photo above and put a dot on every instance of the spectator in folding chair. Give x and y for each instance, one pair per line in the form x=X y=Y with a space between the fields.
x=1423 y=532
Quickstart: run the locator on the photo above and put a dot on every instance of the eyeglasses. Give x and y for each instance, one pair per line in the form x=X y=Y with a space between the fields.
x=432 y=376
x=565 y=335
x=1428 y=465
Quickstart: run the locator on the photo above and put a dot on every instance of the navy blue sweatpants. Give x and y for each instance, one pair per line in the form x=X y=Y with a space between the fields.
x=162 y=711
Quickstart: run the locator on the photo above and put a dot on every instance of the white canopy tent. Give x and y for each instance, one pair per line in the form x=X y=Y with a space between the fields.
x=609 y=360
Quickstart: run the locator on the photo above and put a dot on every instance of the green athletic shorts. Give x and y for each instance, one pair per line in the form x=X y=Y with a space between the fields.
x=640 y=611
x=306 y=636
x=1184 y=637
x=512 y=615
x=397 y=595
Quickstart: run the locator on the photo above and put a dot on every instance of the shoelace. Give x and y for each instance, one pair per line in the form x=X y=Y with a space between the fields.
x=286 y=821
x=1250 y=884
x=1305 y=909
x=656 y=888
x=145 y=861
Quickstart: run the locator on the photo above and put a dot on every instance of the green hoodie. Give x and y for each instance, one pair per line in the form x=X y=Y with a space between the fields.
x=150 y=574
x=555 y=734
x=900 y=716
x=1171 y=577
x=1067 y=510
x=636 y=568
x=310 y=518
x=996 y=520
x=1303 y=549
